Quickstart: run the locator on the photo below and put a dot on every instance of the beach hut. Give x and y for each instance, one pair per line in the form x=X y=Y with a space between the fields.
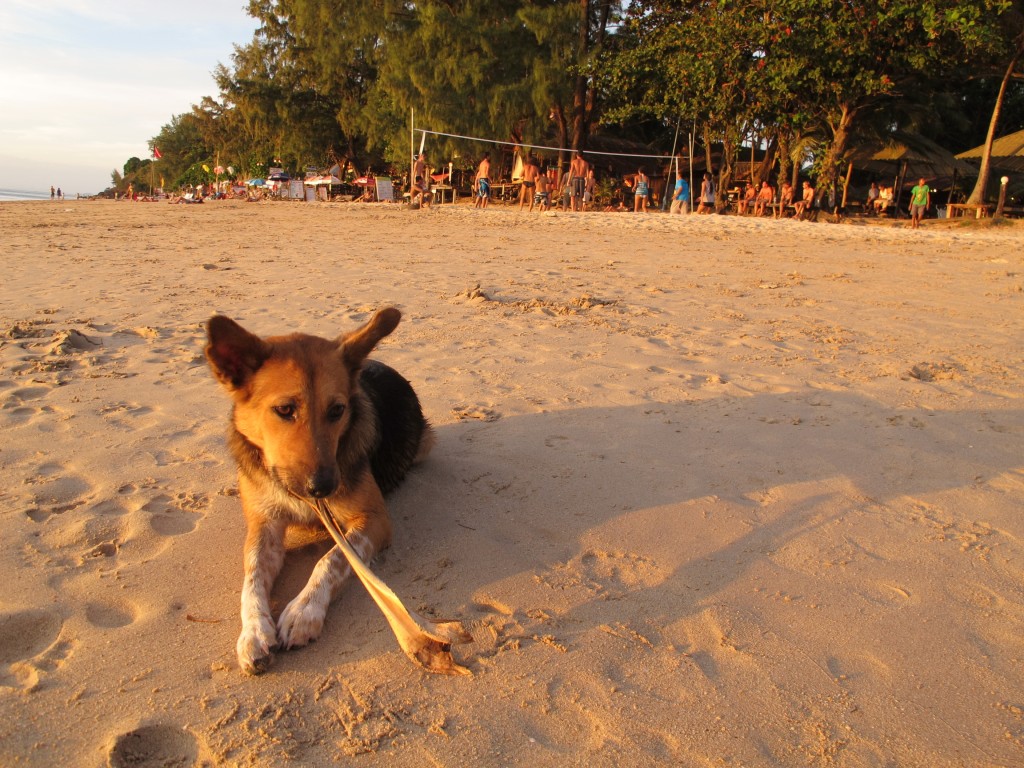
x=907 y=157
x=1007 y=153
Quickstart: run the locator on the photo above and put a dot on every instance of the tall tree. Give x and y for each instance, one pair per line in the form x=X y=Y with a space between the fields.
x=1014 y=30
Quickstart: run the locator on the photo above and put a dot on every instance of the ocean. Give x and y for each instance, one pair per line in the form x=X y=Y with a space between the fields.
x=26 y=194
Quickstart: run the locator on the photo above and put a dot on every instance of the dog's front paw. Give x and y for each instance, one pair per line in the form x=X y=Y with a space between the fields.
x=255 y=647
x=300 y=623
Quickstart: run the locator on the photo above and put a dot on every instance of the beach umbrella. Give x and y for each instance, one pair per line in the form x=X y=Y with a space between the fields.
x=316 y=181
x=363 y=181
x=255 y=183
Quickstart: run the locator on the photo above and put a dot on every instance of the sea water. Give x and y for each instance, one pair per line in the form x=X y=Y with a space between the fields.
x=24 y=194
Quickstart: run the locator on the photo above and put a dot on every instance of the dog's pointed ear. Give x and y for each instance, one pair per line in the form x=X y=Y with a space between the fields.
x=357 y=346
x=234 y=354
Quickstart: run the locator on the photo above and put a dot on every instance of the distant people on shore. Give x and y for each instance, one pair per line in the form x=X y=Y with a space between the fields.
x=806 y=202
x=482 y=182
x=578 y=168
x=745 y=202
x=681 y=196
x=764 y=199
x=530 y=173
x=707 y=195
x=920 y=201
x=785 y=199
x=641 y=191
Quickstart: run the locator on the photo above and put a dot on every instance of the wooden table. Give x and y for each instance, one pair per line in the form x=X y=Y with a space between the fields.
x=953 y=210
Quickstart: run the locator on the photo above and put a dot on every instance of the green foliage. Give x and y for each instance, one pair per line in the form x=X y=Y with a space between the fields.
x=335 y=80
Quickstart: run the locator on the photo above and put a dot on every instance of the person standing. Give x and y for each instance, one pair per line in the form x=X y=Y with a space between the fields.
x=483 y=182
x=920 y=201
x=589 y=188
x=53 y=192
x=530 y=173
x=542 y=197
x=641 y=189
x=577 y=180
x=707 y=195
x=681 y=196
x=420 y=190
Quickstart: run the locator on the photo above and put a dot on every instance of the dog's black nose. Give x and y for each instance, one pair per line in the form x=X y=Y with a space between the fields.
x=323 y=483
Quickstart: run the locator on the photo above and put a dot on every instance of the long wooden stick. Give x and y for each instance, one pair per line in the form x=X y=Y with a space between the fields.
x=426 y=642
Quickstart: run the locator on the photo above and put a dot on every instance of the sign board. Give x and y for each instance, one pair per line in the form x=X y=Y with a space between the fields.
x=384 y=190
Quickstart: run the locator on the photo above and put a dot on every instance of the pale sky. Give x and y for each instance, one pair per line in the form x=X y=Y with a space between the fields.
x=84 y=84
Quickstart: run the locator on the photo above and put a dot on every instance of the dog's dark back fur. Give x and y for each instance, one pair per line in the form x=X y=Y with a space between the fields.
x=401 y=426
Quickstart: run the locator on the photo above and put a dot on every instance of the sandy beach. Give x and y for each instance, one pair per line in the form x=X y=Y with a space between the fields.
x=709 y=491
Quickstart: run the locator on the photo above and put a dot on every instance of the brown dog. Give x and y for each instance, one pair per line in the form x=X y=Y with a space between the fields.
x=312 y=419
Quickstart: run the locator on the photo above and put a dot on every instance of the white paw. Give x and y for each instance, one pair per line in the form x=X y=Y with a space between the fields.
x=255 y=647
x=300 y=623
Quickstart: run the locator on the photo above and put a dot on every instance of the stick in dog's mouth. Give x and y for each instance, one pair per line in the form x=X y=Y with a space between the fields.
x=428 y=643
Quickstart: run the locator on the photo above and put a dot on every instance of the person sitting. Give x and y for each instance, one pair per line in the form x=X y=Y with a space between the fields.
x=746 y=200
x=764 y=199
x=884 y=200
x=785 y=200
x=872 y=198
x=805 y=203
x=420 y=195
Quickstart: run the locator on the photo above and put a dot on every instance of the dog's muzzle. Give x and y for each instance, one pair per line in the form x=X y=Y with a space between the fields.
x=323 y=483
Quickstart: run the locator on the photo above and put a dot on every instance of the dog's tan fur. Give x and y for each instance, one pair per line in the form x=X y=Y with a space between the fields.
x=302 y=427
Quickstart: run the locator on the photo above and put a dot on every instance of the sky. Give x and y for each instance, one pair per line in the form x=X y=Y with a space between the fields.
x=85 y=84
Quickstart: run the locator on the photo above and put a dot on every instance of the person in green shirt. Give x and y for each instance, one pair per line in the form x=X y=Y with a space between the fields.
x=920 y=199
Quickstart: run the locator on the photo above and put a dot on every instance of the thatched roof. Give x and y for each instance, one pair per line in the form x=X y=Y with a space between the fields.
x=1007 y=152
x=923 y=157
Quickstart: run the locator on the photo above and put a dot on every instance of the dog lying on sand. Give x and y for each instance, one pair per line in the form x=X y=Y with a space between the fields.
x=316 y=429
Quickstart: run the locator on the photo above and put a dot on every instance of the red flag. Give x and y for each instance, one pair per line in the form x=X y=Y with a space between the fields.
x=156 y=153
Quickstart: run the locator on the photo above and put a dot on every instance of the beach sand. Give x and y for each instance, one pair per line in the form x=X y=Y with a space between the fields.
x=709 y=491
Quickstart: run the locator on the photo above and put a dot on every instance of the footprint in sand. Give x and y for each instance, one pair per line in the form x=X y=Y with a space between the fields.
x=154 y=745
x=110 y=615
x=177 y=515
x=26 y=636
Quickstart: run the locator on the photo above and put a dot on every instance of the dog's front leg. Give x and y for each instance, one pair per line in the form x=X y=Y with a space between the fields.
x=263 y=558
x=303 y=619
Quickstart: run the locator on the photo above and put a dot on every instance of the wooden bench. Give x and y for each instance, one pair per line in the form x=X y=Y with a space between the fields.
x=953 y=210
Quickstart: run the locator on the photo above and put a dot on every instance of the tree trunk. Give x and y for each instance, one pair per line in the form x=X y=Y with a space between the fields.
x=978 y=195
x=579 y=95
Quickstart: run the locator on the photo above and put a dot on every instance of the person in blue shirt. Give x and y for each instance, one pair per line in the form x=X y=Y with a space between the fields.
x=681 y=197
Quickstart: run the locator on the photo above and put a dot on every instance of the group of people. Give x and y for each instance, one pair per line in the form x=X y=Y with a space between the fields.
x=578 y=185
x=759 y=202
x=56 y=193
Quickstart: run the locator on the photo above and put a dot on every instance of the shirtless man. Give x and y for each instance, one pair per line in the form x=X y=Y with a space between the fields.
x=578 y=180
x=806 y=203
x=764 y=199
x=530 y=174
x=785 y=200
x=482 y=182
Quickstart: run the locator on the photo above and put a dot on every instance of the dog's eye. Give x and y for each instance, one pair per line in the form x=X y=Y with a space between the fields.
x=336 y=411
x=286 y=411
